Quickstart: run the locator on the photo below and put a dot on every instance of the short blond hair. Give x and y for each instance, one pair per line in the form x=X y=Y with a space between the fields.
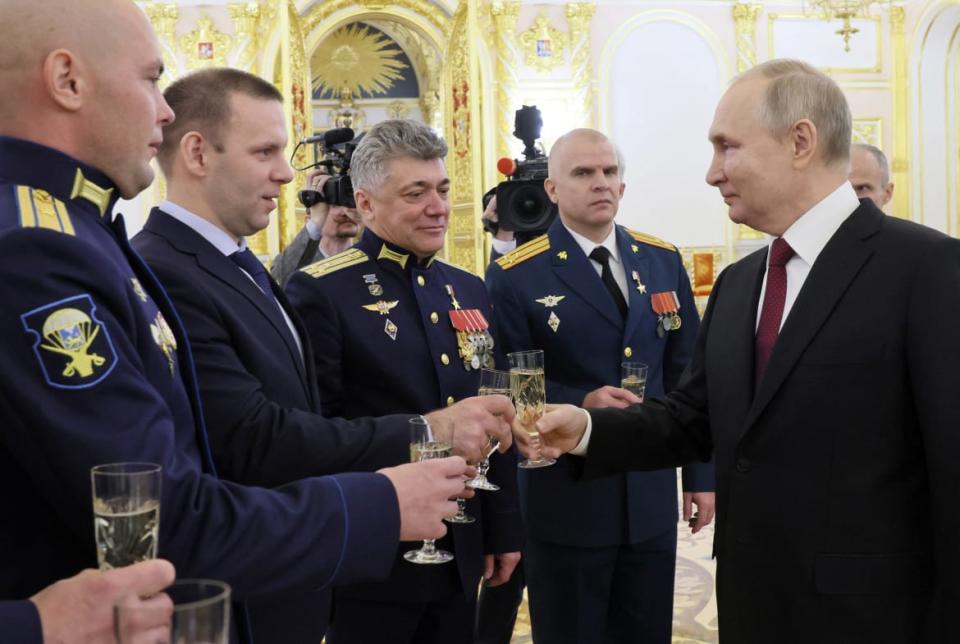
x=798 y=90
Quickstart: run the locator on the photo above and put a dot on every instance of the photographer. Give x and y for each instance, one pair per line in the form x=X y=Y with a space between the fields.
x=327 y=230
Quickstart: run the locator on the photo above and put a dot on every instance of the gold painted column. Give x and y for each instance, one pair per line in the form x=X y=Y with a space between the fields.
x=579 y=16
x=899 y=156
x=505 y=15
x=745 y=18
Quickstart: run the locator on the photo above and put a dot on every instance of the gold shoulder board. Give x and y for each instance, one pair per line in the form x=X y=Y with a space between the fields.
x=39 y=210
x=650 y=240
x=522 y=253
x=350 y=257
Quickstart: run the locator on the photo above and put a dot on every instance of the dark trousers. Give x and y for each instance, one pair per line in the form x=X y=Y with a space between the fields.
x=619 y=594
x=497 y=609
x=447 y=621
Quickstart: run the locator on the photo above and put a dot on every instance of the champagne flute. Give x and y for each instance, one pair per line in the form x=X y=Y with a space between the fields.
x=126 y=512
x=492 y=382
x=633 y=378
x=461 y=516
x=424 y=445
x=528 y=388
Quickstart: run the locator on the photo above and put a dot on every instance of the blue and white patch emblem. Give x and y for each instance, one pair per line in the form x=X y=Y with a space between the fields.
x=72 y=345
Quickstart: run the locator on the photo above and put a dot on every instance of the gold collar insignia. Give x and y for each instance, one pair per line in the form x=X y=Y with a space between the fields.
x=400 y=258
x=84 y=189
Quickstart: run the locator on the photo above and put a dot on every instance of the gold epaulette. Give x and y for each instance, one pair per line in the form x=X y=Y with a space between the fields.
x=522 y=253
x=651 y=240
x=39 y=210
x=350 y=257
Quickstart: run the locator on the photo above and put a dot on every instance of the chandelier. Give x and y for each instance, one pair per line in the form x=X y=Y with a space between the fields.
x=845 y=10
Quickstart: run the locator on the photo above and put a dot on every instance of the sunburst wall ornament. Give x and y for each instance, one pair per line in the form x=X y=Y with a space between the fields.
x=366 y=62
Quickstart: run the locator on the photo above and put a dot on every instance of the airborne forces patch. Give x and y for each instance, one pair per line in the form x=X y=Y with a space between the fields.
x=73 y=347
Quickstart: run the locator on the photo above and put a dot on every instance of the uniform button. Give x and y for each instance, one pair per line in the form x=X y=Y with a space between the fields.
x=444 y=358
x=628 y=351
x=743 y=465
x=434 y=317
x=449 y=400
x=420 y=280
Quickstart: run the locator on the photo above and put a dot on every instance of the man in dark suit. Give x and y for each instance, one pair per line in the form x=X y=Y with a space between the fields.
x=820 y=383
x=255 y=369
x=98 y=368
x=600 y=554
x=396 y=329
x=328 y=230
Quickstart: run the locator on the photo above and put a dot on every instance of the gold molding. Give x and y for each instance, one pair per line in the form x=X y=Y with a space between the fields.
x=799 y=17
x=164 y=18
x=247 y=26
x=205 y=46
x=579 y=17
x=900 y=154
x=323 y=10
x=541 y=38
x=868 y=129
x=745 y=18
x=505 y=16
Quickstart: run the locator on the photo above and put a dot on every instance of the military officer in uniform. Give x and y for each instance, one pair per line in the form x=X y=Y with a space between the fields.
x=97 y=365
x=599 y=558
x=397 y=330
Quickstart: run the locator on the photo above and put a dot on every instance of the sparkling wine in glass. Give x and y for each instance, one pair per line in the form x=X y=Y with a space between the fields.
x=633 y=378
x=424 y=445
x=126 y=512
x=528 y=389
x=492 y=382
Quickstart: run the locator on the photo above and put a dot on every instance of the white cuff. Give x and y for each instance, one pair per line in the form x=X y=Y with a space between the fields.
x=313 y=230
x=503 y=246
x=581 y=448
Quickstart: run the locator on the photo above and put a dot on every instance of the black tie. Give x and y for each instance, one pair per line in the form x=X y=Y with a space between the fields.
x=249 y=263
x=602 y=256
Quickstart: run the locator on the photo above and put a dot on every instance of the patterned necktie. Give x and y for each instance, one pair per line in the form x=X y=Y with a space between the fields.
x=246 y=260
x=773 y=301
x=602 y=256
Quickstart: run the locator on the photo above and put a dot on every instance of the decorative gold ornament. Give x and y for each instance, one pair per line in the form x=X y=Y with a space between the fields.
x=543 y=45
x=845 y=10
x=745 y=19
x=359 y=59
x=205 y=46
x=505 y=15
x=579 y=16
x=164 y=19
x=425 y=8
x=247 y=18
x=868 y=130
x=399 y=110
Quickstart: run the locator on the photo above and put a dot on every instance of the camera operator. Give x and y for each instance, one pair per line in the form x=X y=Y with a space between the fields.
x=327 y=230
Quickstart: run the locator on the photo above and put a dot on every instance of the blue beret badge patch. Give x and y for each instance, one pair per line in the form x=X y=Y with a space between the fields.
x=73 y=346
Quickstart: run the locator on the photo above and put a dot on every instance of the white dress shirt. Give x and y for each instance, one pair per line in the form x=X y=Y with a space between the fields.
x=616 y=265
x=808 y=236
x=225 y=244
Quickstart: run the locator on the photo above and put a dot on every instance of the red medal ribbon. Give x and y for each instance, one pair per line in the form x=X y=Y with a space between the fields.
x=665 y=303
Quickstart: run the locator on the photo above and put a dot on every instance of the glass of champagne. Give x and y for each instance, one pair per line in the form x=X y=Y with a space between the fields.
x=633 y=378
x=492 y=382
x=528 y=388
x=126 y=512
x=201 y=615
x=424 y=445
x=461 y=516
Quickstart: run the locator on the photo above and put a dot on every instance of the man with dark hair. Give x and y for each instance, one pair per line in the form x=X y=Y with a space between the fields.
x=396 y=329
x=98 y=367
x=224 y=163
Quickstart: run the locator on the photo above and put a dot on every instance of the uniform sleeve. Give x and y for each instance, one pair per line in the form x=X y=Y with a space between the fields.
x=254 y=440
x=322 y=321
x=291 y=258
x=311 y=534
x=697 y=477
x=20 y=621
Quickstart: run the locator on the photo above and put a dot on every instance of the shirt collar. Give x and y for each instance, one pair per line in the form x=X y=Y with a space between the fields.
x=610 y=243
x=810 y=233
x=391 y=254
x=217 y=237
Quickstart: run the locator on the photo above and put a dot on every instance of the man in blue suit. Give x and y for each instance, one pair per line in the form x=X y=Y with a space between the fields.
x=221 y=157
x=396 y=329
x=600 y=555
x=97 y=365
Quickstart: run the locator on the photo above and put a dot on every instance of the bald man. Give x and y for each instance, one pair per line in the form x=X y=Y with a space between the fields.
x=97 y=368
x=870 y=174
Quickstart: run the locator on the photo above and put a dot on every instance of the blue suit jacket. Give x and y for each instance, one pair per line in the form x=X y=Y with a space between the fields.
x=116 y=383
x=584 y=353
x=20 y=621
x=362 y=370
x=259 y=395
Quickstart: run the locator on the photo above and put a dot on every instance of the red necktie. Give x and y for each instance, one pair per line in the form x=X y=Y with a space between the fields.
x=773 y=300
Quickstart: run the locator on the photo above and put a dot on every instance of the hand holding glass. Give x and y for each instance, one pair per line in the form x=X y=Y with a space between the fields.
x=126 y=512
x=424 y=446
x=633 y=378
x=492 y=382
x=201 y=615
x=528 y=388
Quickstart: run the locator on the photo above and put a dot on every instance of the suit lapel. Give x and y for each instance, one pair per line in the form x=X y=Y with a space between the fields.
x=212 y=261
x=574 y=269
x=635 y=259
x=831 y=275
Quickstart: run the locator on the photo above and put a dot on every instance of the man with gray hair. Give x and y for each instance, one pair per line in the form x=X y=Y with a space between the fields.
x=870 y=174
x=395 y=330
x=819 y=385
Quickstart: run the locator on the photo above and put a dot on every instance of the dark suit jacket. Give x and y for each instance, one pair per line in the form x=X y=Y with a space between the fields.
x=836 y=479
x=299 y=252
x=259 y=396
x=584 y=353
